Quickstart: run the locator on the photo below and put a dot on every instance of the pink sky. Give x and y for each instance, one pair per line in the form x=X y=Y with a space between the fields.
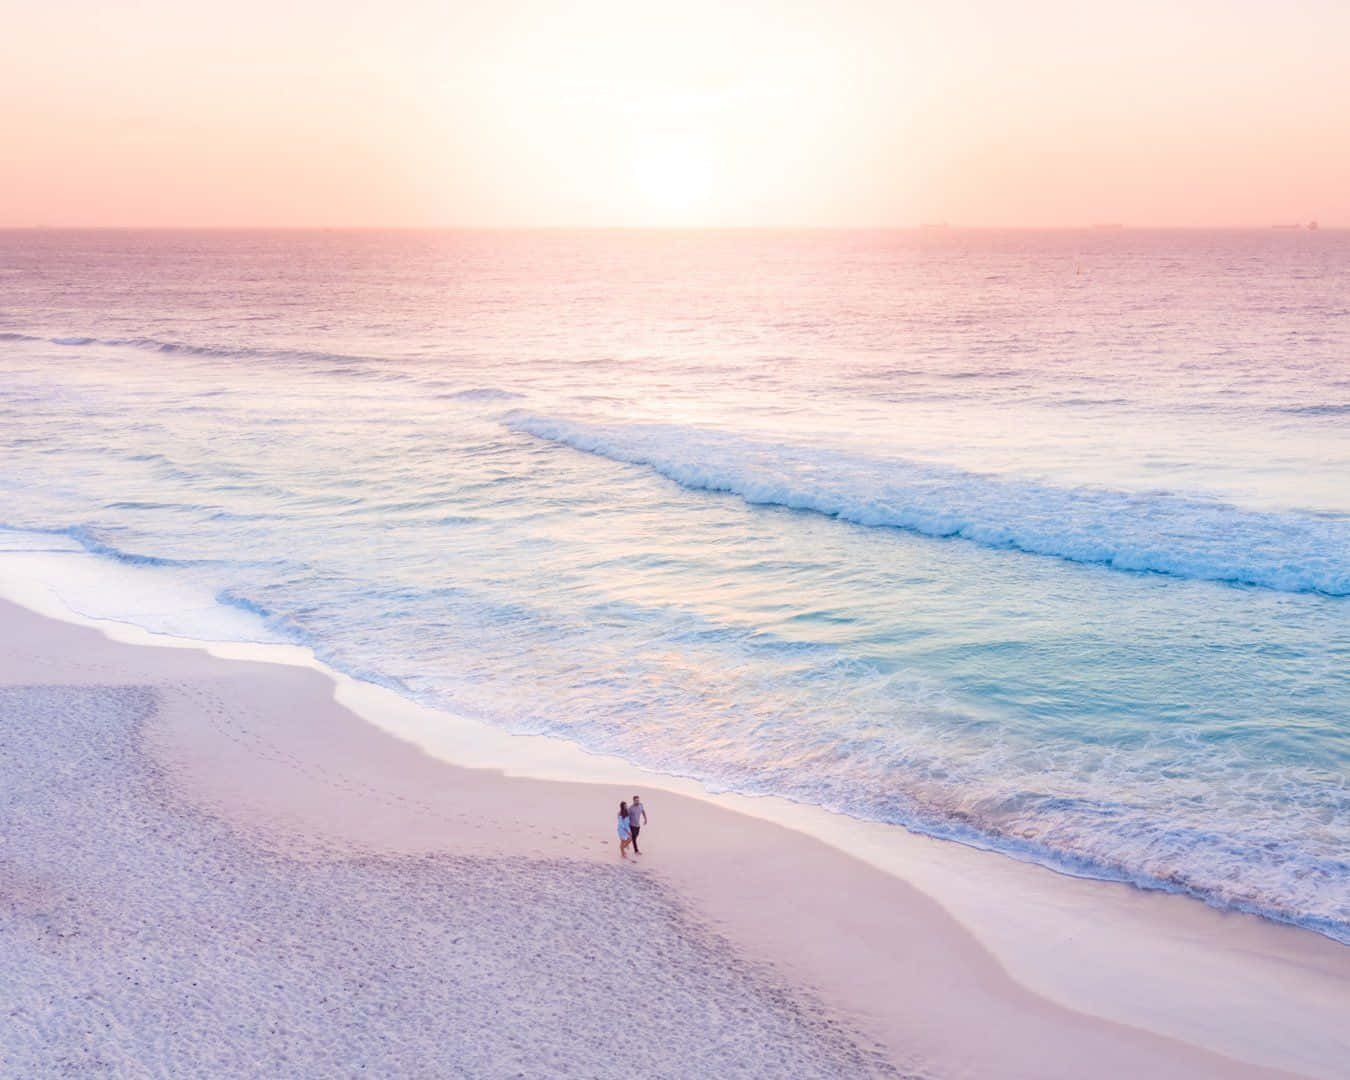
x=853 y=112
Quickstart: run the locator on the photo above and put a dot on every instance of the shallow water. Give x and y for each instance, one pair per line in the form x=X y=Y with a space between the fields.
x=1036 y=541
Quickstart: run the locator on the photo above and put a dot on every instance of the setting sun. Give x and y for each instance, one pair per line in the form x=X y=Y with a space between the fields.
x=781 y=541
x=605 y=113
x=672 y=177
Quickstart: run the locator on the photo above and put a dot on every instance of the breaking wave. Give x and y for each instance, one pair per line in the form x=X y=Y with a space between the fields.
x=1148 y=531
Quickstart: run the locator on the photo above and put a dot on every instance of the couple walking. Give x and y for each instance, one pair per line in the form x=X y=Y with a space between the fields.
x=631 y=819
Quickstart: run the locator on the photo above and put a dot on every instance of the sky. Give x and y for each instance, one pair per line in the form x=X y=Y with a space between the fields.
x=706 y=112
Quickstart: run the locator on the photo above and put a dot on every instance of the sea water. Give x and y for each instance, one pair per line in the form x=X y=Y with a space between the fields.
x=1038 y=541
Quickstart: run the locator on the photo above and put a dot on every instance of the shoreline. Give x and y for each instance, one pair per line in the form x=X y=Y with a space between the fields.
x=953 y=939
x=146 y=933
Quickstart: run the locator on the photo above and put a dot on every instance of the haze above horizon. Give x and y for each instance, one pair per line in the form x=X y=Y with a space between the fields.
x=862 y=113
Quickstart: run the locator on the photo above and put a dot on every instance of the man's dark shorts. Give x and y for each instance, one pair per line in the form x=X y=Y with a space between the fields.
x=633 y=831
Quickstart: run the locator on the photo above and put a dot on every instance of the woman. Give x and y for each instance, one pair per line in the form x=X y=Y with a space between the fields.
x=625 y=833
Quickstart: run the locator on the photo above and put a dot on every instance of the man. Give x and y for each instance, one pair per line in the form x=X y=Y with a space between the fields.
x=637 y=817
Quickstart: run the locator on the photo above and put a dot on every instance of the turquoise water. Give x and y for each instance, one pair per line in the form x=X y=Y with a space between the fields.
x=1036 y=541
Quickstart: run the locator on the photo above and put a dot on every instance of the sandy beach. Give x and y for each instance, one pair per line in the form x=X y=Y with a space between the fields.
x=212 y=866
x=905 y=444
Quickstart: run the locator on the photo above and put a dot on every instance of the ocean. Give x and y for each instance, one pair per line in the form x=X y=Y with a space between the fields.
x=1035 y=541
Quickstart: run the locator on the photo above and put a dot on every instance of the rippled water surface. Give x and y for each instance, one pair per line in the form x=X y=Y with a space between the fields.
x=1040 y=541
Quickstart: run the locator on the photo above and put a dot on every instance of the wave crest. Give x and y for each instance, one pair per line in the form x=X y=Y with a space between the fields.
x=481 y=393
x=181 y=348
x=1153 y=531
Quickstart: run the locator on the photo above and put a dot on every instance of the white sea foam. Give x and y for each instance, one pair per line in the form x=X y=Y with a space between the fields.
x=327 y=466
x=482 y=393
x=159 y=597
x=1153 y=531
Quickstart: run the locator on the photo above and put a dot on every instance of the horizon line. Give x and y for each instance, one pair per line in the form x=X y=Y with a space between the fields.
x=922 y=227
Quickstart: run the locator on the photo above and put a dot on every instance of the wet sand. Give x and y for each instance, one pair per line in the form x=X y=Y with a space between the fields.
x=412 y=915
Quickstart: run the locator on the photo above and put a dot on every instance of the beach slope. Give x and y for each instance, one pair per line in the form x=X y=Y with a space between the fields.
x=212 y=867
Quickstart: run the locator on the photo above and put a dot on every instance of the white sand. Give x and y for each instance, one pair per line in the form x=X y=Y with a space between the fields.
x=211 y=867
x=145 y=937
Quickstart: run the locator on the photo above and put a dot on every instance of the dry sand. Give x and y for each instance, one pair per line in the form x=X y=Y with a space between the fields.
x=164 y=806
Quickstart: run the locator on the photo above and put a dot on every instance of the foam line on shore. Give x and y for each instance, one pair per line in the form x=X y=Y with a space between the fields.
x=142 y=934
x=1020 y=912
